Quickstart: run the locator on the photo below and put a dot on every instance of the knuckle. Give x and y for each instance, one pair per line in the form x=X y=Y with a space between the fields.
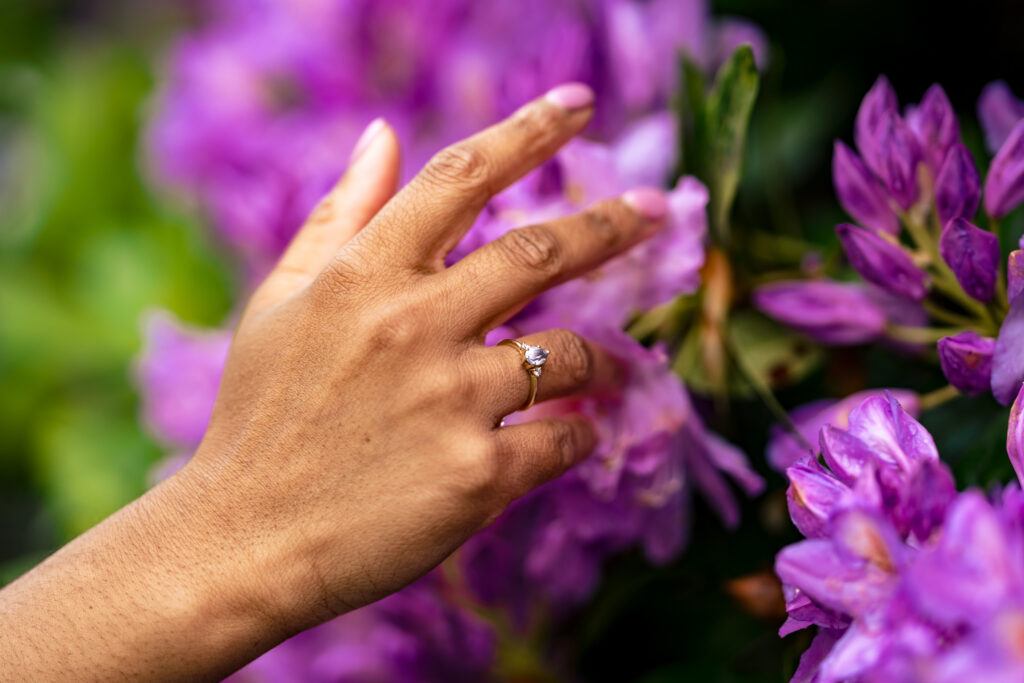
x=534 y=247
x=448 y=386
x=563 y=442
x=340 y=278
x=391 y=330
x=462 y=164
x=603 y=228
x=577 y=358
x=475 y=466
x=323 y=212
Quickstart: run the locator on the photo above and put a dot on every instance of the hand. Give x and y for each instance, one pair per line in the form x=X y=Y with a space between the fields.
x=355 y=439
x=355 y=442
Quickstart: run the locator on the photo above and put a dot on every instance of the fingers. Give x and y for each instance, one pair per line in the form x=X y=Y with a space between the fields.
x=495 y=281
x=537 y=452
x=573 y=366
x=430 y=215
x=368 y=183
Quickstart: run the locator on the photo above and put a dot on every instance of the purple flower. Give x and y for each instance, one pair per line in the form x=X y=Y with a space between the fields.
x=632 y=491
x=958 y=187
x=1008 y=357
x=935 y=125
x=784 y=449
x=1004 y=184
x=999 y=112
x=1015 y=274
x=872 y=119
x=831 y=312
x=860 y=193
x=905 y=579
x=966 y=361
x=179 y=372
x=882 y=262
x=973 y=254
x=259 y=104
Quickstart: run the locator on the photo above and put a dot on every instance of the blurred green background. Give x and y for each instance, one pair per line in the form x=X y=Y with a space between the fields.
x=86 y=247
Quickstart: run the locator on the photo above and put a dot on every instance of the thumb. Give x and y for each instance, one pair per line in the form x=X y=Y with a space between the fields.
x=369 y=182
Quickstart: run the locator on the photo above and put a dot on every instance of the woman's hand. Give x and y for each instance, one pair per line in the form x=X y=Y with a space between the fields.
x=355 y=441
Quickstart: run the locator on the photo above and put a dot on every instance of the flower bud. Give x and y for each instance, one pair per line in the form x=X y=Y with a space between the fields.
x=973 y=254
x=966 y=361
x=881 y=262
x=1015 y=274
x=900 y=154
x=831 y=312
x=999 y=112
x=1004 y=184
x=874 y=110
x=935 y=125
x=958 y=187
x=860 y=193
x=1015 y=436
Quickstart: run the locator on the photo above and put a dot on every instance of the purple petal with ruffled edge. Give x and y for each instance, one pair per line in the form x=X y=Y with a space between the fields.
x=934 y=122
x=1004 y=184
x=966 y=361
x=973 y=254
x=970 y=572
x=891 y=433
x=784 y=449
x=999 y=112
x=872 y=115
x=881 y=262
x=860 y=193
x=831 y=312
x=1014 y=274
x=812 y=496
x=1008 y=357
x=958 y=186
x=1015 y=436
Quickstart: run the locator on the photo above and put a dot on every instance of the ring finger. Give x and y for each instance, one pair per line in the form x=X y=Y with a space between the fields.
x=572 y=366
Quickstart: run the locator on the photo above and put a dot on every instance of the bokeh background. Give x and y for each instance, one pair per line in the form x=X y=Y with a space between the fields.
x=88 y=245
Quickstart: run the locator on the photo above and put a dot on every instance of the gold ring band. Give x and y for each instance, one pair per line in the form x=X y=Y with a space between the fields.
x=533 y=358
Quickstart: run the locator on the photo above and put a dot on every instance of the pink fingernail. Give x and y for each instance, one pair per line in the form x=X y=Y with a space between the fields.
x=366 y=138
x=571 y=96
x=650 y=202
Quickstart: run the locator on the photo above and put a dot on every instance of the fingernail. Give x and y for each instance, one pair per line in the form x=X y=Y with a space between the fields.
x=571 y=96
x=650 y=202
x=366 y=138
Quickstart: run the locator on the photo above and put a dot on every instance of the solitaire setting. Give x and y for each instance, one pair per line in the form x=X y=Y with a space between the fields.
x=534 y=358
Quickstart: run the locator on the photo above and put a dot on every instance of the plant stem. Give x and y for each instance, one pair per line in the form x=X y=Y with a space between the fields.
x=937 y=397
x=920 y=335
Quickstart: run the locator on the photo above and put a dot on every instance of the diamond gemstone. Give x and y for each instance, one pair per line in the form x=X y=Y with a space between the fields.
x=536 y=355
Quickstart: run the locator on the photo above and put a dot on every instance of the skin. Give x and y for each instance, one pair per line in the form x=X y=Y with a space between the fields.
x=355 y=441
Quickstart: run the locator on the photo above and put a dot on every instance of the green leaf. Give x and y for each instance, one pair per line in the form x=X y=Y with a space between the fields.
x=770 y=355
x=728 y=107
x=776 y=355
x=690 y=111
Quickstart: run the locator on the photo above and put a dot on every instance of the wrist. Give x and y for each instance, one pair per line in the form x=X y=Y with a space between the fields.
x=211 y=582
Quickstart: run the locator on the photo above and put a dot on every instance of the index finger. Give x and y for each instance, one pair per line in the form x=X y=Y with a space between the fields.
x=440 y=204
